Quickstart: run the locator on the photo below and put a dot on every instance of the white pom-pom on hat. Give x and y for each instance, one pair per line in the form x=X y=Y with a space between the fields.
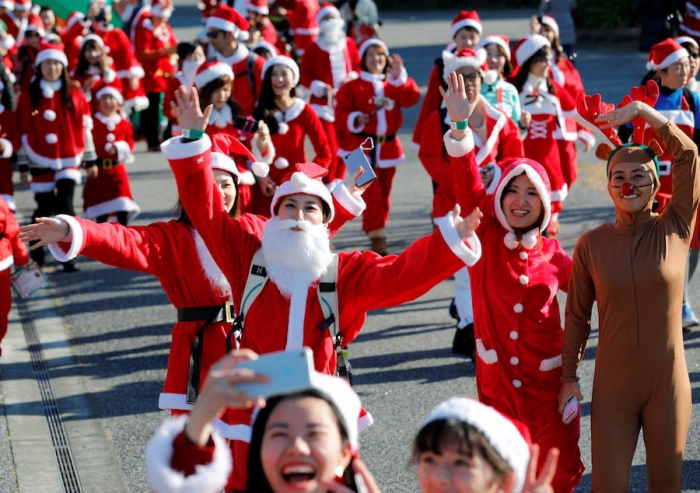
x=281 y=163
x=51 y=138
x=260 y=169
x=50 y=115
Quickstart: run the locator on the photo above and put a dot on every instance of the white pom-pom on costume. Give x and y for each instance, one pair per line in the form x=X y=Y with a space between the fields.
x=111 y=127
x=48 y=92
x=110 y=138
x=281 y=163
x=96 y=77
x=51 y=138
x=511 y=241
x=109 y=146
x=50 y=115
x=283 y=128
x=262 y=169
x=530 y=239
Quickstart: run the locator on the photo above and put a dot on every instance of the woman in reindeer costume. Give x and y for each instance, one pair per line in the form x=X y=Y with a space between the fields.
x=635 y=269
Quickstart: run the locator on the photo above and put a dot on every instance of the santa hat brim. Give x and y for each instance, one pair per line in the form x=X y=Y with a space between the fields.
x=466 y=23
x=672 y=58
x=159 y=11
x=282 y=60
x=540 y=187
x=301 y=183
x=224 y=163
x=259 y=10
x=529 y=47
x=372 y=42
x=681 y=40
x=112 y=92
x=224 y=25
x=212 y=73
x=92 y=37
x=551 y=23
x=57 y=55
x=488 y=40
x=457 y=63
x=327 y=10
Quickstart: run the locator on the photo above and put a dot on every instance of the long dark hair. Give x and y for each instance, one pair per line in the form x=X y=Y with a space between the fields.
x=7 y=99
x=35 y=94
x=536 y=225
x=265 y=110
x=235 y=211
x=524 y=71
x=257 y=482
x=83 y=65
x=208 y=89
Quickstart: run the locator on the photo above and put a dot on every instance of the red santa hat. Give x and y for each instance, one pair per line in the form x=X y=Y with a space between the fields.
x=497 y=39
x=304 y=178
x=509 y=437
x=209 y=71
x=465 y=58
x=529 y=46
x=372 y=42
x=92 y=37
x=161 y=8
x=550 y=22
x=665 y=53
x=227 y=19
x=48 y=51
x=36 y=28
x=259 y=6
x=282 y=60
x=222 y=146
x=113 y=88
x=681 y=40
x=466 y=18
x=339 y=392
x=23 y=5
x=539 y=178
x=266 y=46
x=73 y=18
x=327 y=9
x=8 y=4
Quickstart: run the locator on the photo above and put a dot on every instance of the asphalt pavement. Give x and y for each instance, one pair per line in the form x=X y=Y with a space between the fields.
x=81 y=376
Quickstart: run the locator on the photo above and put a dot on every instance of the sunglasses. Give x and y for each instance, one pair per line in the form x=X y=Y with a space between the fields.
x=694 y=55
x=214 y=34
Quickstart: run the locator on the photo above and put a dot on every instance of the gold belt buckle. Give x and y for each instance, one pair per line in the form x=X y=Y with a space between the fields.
x=228 y=312
x=381 y=139
x=107 y=163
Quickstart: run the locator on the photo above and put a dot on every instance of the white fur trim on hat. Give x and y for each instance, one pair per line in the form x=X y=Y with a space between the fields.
x=157 y=10
x=264 y=44
x=57 y=55
x=327 y=10
x=224 y=25
x=501 y=433
x=282 y=60
x=529 y=47
x=264 y=10
x=224 y=163
x=497 y=40
x=373 y=42
x=672 y=58
x=452 y=62
x=539 y=185
x=92 y=37
x=111 y=91
x=159 y=452
x=551 y=23
x=214 y=72
x=466 y=23
x=686 y=39
x=301 y=183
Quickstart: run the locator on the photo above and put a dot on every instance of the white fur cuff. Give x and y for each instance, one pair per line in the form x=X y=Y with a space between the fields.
x=271 y=153
x=468 y=254
x=8 y=149
x=209 y=478
x=401 y=79
x=318 y=88
x=123 y=150
x=459 y=148
x=351 y=122
x=354 y=206
x=175 y=149
x=77 y=242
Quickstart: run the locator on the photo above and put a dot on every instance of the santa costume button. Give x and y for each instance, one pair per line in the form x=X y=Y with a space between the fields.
x=523 y=255
x=514 y=360
x=524 y=279
x=517 y=384
x=513 y=335
x=518 y=308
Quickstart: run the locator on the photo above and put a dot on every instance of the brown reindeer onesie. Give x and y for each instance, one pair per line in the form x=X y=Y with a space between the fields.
x=635 y=269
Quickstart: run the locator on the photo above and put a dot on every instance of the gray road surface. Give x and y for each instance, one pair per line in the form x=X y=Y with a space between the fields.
x=104 y=333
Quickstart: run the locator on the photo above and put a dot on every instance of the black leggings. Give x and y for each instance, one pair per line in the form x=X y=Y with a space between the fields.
x=48 y=204
x=150 y=126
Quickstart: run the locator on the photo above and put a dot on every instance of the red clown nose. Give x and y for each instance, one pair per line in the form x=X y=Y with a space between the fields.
x=627 y=189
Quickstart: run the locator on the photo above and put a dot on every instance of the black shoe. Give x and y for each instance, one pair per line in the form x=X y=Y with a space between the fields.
x=464 y=342
x=453 y=310
x=69 y=267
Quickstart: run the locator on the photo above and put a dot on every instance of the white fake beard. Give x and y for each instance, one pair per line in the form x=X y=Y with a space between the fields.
x=332 y=31
x=295 y=259
x=217 y=279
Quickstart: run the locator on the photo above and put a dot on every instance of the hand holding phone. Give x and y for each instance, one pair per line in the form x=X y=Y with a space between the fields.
x=357 y=159
x=570 y=410
x=289 y=372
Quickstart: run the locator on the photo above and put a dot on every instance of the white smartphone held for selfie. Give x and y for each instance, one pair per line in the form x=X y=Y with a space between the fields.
x=570 y=410
x=358 y=159
x=289 y=372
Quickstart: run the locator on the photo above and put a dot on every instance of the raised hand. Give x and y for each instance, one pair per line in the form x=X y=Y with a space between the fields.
x=467 y=225
x=46 y=230
x=543 y=483
x=186 y=108
x=396 y=66
x=353 y=187
x=459 y=106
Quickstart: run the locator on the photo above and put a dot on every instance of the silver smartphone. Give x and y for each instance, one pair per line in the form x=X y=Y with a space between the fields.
x=289 y=372
x=570 y=410
x=358 y=159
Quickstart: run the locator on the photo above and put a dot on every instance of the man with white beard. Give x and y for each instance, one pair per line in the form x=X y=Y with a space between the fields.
x=328 y=62
x=287 y=313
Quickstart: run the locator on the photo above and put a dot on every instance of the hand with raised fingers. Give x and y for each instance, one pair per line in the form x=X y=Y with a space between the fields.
x=467 y=225
x=351 y=183
x=396 y=66
x=543 y=483
x=363 y=478
x=186 y=109
x=458 y=104
x=45 y=230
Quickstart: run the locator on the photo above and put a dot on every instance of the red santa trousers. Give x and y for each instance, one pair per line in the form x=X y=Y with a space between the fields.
x=377 y=199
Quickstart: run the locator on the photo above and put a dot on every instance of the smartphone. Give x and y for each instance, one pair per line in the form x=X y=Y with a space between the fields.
x=570 y=410
x=289 y=372
x=247 y=125
x=357 y=159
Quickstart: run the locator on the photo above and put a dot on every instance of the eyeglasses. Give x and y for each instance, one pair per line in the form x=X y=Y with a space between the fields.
x=214 y=34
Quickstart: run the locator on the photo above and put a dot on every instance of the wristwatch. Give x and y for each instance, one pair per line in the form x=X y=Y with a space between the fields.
x=463 y=125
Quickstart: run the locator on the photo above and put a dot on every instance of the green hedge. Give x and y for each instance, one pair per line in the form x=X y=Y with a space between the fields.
x=453 y=4
x=604 y=14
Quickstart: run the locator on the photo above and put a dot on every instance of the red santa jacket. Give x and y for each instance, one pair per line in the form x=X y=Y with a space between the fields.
x=366 y=281
x=366 y=95
x=514 y=292
x=502 y=142
x=53 y=136
x=247 y=76
x=431 y=102
x=302 y=23
x=12 y=250
x=16 y=27
x=118 y=47
x=10 y=139
x=158 y=69
x=110 y=132
x=323 y=66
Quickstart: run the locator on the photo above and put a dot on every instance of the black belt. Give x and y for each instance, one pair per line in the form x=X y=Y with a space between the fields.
x=107 y=163
x=209 y=315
